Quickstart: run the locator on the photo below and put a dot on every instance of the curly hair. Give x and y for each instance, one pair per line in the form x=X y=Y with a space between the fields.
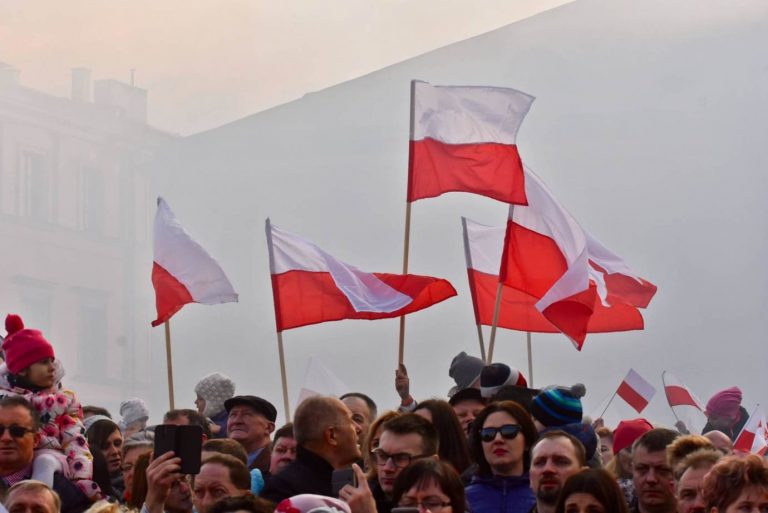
x=725 y=482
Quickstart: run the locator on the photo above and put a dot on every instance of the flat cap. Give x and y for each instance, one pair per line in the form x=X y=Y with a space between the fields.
x=257 y=403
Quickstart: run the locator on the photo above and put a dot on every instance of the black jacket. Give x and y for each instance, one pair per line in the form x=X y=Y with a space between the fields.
x=309 y=473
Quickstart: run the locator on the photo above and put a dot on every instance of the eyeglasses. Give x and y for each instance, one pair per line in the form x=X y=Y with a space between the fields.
x=434 y=504
x=508 y=432
x=400 y=460
x=15 y=430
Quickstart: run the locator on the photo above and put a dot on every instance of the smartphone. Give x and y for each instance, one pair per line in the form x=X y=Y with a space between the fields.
x=342 y=477
x=186 y=442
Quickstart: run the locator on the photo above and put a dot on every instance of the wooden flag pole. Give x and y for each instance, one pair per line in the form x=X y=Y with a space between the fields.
x=496 y=309
x=406 y=248
x=282 y=376
x=530 y=360
x=480 y=339
x=169 y=362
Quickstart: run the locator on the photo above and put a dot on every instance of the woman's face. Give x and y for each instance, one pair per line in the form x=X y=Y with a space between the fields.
x=583 y=503
x=129 y=464
x=753 y=499
x=606 y=449
x=111 y=451
x=504 y=455
x=429 y=497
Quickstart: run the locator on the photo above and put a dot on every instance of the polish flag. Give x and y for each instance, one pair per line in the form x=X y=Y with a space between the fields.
x=182 y=271
x=483 y=246
x=310 y=286
x=677 y=393
x=570 y=274
x=753 y=435
x=636 y=391
x=463 y=139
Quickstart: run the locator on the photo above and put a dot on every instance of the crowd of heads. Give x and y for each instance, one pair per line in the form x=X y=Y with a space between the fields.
x=493 y=445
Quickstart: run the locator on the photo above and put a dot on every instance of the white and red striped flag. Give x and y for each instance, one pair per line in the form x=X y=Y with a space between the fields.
x=483 y=246
x=752 y=437
x=464 y=139
x=310 y=286
x=570 y=274
x=636 y=391
x=685 y=405
x=182 y=271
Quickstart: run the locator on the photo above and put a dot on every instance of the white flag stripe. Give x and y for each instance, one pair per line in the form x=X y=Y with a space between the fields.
x=486 y=244
x=468 y=114
x=187 y=261
x=640 y=385
x=364 y=290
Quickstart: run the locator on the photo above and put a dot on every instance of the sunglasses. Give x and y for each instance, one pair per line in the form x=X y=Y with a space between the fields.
x=15 y=431
x=508 y=432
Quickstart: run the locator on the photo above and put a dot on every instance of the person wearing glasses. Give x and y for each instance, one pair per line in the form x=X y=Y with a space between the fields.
x=500 y=442
x=404 y=440
x=19 y=424
x=431 y=486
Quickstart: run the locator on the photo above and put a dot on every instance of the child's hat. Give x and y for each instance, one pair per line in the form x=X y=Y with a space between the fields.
x=23 y=346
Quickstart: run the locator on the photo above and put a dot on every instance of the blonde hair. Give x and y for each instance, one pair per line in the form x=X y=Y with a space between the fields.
x=31 y=485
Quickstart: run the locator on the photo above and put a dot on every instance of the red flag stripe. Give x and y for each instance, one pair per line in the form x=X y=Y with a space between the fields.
x=490 y=169
x=170 y=294
x=679 y=396
x=632 y=397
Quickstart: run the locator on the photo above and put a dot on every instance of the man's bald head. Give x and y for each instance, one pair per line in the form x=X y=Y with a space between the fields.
x=314 y=416
x=721 y=441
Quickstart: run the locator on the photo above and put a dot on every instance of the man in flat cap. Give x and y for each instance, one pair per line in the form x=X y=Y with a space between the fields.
x=251 y=421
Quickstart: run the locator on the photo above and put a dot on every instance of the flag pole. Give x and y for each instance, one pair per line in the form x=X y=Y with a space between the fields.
x=169 y=363
x=609 y=403
x=530 y=360
x=496 y=309
x=283 y=376
x=480 y=339
x=406 y=247
x=468 y=256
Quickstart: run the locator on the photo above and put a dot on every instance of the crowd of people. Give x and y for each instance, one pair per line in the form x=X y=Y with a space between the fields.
x=494 y=445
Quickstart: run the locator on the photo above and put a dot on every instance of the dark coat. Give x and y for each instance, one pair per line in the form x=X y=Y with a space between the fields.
x=735 y=429
x=262 y=461
x=309 y=473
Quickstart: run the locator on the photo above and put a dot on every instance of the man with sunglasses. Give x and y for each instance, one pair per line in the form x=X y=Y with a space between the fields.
x=404 y=440
x=19 y=424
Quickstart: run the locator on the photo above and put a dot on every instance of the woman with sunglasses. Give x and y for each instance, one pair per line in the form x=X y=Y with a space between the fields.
x=500 y=442
x=432 y=486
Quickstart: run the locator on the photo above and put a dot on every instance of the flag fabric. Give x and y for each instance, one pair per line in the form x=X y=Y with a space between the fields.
x=182 y=271
x=571 y=275
x=464 y=139
x=320 y=380
x=685 y=405
x=310 y=286
x=752 y=437
x=483 y=246
x=636 y=391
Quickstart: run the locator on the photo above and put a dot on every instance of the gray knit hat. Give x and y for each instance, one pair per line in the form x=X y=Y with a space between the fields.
x=133 y=410
x=215 y=389
x=465 y=370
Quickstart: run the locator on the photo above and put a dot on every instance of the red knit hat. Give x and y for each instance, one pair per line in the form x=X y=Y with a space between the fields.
x=23 y=347
x=628 y=431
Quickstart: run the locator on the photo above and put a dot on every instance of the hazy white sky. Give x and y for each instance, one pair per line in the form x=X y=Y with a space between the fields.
x=207 y=62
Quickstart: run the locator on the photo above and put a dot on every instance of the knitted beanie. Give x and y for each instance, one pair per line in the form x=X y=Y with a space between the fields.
x=133 y=410
x=22 y=346
x=628 y=431
x=93 y=419
x=725 y=404
x=498 y=375
x=215 y=389
x=465 y=370
x=557 y=406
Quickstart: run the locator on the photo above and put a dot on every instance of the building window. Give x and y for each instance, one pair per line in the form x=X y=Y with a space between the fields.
x=34 y=186
x=93 y=339
x=92 y=200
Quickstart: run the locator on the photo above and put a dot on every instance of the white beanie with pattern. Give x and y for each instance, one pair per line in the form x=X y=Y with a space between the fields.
x=215 y=389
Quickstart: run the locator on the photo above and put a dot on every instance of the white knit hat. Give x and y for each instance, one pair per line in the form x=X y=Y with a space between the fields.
x=215 y=389
x=133 y=410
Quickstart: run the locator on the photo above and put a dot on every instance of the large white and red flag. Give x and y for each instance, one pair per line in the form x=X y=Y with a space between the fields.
x=636 y=391
x=483 y=246
x=685 y=405
x=571 y=275
x=464 y=139
x=752 y=437
x=310 y=286
x=182 y=271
